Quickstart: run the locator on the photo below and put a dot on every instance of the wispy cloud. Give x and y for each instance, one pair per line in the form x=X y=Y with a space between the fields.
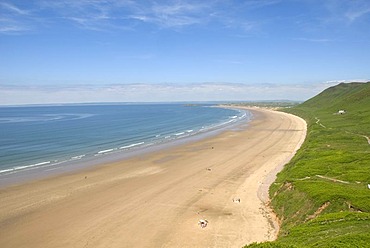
x=232 y=62
x=127 y=14
x=13 y=19
x=113 y=15
x=318 y=40
x=12 y=8
x=90 y=14
x=256 y=4
x=353 y=15
x=346 y=10
x=176 y=14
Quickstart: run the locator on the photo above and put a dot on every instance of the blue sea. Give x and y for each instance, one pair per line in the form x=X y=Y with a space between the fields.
x=46 y=136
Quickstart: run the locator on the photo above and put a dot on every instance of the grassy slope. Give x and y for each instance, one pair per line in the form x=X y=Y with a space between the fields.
x=321 y=196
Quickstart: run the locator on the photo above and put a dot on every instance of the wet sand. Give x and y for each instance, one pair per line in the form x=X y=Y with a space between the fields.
x=157 y=199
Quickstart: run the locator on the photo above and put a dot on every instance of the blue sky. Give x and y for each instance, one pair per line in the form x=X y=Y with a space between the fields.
x=125 y=50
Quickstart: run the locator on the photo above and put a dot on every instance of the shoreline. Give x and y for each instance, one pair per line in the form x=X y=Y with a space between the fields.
x=48 y=169
x=160 y=195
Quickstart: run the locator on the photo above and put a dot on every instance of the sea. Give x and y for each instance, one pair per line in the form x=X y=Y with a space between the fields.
x=45 y=137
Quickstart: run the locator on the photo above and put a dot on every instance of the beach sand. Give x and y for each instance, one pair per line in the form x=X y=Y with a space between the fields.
x=157 y=199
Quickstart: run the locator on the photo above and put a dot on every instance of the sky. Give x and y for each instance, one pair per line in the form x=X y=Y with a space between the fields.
x=181 y=50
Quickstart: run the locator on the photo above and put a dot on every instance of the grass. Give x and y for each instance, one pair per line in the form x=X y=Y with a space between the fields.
x=321 y=196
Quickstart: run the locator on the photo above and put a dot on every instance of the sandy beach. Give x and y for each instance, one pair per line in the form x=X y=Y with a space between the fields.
x=157 y=199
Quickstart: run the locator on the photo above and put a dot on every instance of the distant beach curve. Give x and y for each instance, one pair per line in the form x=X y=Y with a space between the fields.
x=200 y=194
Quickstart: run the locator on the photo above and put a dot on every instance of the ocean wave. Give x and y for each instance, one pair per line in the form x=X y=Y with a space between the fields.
x=21 y=119
x=78 y=157
x=67 y=116
x=232 y=119
x=17 y=168
x=44 y=118
x=6 y=170
x=166 y=130
x=132 y=145
x=106 y=151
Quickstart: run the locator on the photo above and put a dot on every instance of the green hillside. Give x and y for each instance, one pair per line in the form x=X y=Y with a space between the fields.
x=322 y=196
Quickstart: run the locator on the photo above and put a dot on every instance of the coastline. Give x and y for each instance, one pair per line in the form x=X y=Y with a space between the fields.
x=156 y=199
x=73 y=163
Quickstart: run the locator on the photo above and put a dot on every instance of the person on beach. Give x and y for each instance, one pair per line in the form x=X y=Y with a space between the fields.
x=203 y=223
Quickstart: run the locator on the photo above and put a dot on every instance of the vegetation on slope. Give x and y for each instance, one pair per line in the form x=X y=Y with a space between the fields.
x=322 y=196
